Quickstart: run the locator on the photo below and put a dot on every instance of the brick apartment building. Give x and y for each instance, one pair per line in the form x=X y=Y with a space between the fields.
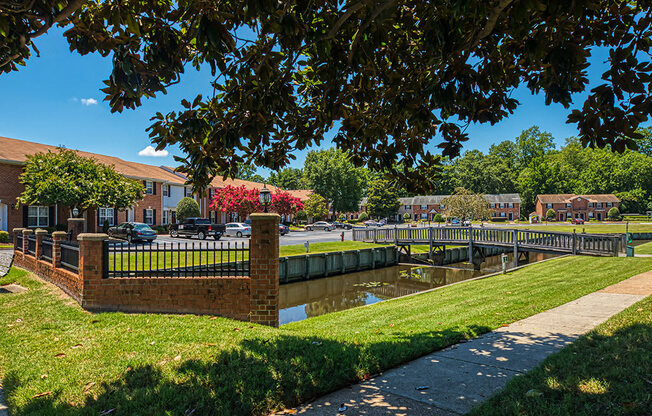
x=163 y=190
x=503 y=206
x=567 y=206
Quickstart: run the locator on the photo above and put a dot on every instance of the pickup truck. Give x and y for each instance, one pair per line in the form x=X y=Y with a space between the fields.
x=199 y=227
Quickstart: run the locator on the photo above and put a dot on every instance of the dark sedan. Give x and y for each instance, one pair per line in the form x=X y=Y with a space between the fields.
x=283 y=229
x=342 y=225
x=133 y=231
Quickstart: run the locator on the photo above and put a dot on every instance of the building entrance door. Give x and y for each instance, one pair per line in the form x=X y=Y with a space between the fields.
x=4 y=217
x=511 y=216
x=599 y=216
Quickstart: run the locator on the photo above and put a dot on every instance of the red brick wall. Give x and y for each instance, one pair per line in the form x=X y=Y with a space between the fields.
x=69 y=282
x=150 y=202
x=264 y=268
x=10 y=189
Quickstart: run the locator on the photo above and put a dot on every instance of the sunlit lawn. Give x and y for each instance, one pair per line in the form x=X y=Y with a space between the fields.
x=606 y=372
x=643 y=249
x=58 y=359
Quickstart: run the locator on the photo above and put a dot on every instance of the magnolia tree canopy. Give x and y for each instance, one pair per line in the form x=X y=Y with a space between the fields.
x=466 y=205
x=74 y=181
x=243 y=201
x=393 y=79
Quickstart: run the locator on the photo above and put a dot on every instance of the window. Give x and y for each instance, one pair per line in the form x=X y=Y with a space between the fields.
x=591 y=214
x=186 y=192
x=590 y=205
x=442 y=206
x=165 y=217
x=424 y=206
x=106 y=214
x=166 y=190
x=149 y=187
x=609 y=204
x=424 y=216
x=568 y=205
x=548 y=205
x=149 y=216
x=37 y=216
x=598 y=204
x=502 y=214
x=511 y=205
x=408 y=207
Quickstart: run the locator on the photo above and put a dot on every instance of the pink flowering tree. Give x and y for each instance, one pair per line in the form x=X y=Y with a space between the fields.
x=243 y=201
x=285 y=204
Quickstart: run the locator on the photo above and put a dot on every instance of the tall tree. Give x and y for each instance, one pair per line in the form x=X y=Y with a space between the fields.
x=66 y=178
x=247 y=172
x=331 y=174
x=392 y=76
x=383 y=200
x=288 y=178
x=315 y=207
x=531 y=144
x=538 y=178
x=466 y=205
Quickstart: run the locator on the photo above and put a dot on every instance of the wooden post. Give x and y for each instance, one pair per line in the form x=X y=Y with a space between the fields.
x=430 y=237
x=515 y=238
x=470 y=245
x=574 y=242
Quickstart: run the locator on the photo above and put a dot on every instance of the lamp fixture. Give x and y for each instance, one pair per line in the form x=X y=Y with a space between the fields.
x=265 y=197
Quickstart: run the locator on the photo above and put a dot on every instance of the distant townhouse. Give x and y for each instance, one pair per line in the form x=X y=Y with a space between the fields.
x=503 y=206
x=164 y=188
x=568 y=206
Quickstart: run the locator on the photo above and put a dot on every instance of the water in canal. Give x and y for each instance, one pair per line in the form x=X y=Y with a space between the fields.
x=311 y=298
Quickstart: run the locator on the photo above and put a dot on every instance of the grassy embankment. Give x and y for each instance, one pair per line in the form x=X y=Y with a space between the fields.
x=58 y=359
x=606 y=372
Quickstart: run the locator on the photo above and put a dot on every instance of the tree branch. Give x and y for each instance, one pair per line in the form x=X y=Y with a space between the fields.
x=492 y=20
x=64 y=14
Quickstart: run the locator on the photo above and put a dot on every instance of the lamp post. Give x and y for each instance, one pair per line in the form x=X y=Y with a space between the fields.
x=75 y=212
x=265 y=197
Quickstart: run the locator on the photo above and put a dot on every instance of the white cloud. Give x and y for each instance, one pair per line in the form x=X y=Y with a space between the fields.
x=149 y=151
x=89 y=101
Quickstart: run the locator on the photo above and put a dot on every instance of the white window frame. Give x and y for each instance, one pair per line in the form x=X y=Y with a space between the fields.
x=149 y=213
x=149 y=188
x=424 y=206
x=408 y=207
x=165 y=189
x=598 y=204
x=42 y=214
x=442 y=206
x=502 y=214
x=106 y=214
x=609 y=204
x=424 y=216
x=548 y=205
x=511 y=205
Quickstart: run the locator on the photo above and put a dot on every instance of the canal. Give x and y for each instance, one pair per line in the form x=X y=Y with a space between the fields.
x=307 y=299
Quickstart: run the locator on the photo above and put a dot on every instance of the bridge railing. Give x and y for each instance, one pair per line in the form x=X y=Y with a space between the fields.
x=574 y=243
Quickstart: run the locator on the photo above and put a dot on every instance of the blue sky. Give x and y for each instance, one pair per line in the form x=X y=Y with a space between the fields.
x=56 y=99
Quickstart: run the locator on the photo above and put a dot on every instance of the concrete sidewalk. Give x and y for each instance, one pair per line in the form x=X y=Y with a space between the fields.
x=453 y=380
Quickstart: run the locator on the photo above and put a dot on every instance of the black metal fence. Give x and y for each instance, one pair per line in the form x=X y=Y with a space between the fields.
x=46 y=248
x=70 y=255
x=31 y=244
x=19 y=242
x=175 y=259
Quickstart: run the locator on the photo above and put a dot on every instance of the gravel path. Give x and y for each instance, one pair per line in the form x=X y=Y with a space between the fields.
x=6 y=258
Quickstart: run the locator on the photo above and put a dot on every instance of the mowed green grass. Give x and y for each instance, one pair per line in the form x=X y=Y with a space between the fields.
x=643 y=249
x=606 y=372
x=146 y=260
x=58 y=359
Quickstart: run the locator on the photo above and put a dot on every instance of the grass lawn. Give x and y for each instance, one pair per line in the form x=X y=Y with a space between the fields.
x=608 y=371
x=141 y=260
x=58 y=359
x=643 y=249
x=594 y=228
x=4 y=245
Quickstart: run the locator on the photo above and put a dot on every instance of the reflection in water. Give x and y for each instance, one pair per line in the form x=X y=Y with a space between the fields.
x=310 y=298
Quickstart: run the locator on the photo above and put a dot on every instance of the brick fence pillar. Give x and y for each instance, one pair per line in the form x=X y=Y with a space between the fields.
x=91 y=265
x=26 y=234
x=17 y=231
x=264 y=269
x=38 y=251
x=75 y=227
x=57 y=238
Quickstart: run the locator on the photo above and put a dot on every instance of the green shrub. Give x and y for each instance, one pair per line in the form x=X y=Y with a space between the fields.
x=187 y=208
x=438 y=218
x=407 y=217
x=614 y=213
x=363 y=217
x=161 y=229
x=301 y=216
x=551 y=214
x=4 y=237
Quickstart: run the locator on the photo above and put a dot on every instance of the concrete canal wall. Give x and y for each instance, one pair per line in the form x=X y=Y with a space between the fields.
x=459 y=254
x=310 y=266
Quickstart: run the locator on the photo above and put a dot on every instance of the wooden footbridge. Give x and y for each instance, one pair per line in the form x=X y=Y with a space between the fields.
x=519 y=240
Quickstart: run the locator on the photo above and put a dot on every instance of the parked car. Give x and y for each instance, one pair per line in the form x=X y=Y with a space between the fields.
x=372 y=223
x=132 y=231
x=455 y=221
x=197 y=227
x=342 y=225
x=320 y=225
x=577 y=221
x=283 y=229
x=238 y=229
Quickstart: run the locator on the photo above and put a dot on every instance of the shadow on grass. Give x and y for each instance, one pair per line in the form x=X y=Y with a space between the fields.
x=258 y=377
x=595 y=375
